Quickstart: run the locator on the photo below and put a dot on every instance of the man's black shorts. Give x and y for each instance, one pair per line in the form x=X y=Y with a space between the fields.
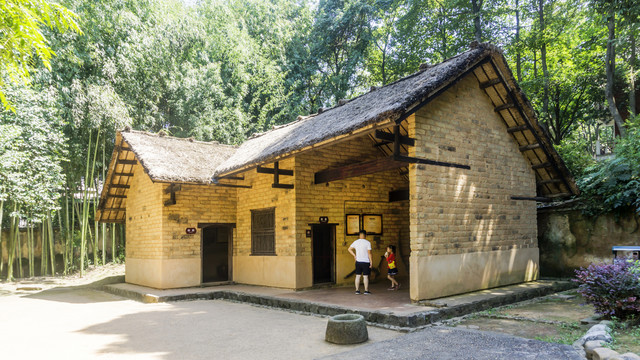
x=363 y=268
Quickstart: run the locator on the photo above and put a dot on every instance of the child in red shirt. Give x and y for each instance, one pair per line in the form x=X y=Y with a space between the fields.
x=393 y=269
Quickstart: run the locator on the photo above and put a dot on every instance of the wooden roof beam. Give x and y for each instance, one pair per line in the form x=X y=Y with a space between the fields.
x=126 y=162
x=386 y=136
x=511 y=130
x=541 y=165
x=490 y=83
x=504 y=107
x=358 y=169
x=122 y=174
x=549 y=181
x=529 y=147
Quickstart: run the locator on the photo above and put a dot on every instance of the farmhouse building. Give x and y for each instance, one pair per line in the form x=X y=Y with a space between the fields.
x=446 y=163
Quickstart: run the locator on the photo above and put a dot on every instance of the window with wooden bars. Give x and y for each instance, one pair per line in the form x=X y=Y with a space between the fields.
x=263 y=234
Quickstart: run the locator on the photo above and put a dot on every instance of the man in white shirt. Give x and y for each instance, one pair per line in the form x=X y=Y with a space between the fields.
x=361 y=251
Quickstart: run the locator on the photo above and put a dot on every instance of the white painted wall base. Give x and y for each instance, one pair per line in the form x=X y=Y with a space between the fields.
x=163 y=273
x=443 y=275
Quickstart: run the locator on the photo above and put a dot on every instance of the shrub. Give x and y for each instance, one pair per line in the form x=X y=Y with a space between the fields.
x=613 y=289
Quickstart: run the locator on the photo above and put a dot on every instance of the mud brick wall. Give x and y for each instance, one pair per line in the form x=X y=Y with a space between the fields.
x=194 y=204
x=457 y=211
x=144 y=217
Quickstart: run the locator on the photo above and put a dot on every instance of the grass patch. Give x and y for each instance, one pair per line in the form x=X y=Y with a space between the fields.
x=625 y=338
x=568 y=333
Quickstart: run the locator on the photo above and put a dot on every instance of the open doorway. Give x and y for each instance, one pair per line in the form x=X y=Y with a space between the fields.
x=324 y=254
x=216 y=253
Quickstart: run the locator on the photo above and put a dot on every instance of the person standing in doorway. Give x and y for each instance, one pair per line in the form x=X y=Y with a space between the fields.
x=361 y=251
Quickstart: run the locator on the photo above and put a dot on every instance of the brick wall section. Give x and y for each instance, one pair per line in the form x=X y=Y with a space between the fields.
x=262 y=196
x=194 y=204
x=358 y=195
x=144 y=217
x=456 y=211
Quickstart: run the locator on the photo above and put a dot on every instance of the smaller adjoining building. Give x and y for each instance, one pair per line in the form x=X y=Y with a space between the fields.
x=447 y=164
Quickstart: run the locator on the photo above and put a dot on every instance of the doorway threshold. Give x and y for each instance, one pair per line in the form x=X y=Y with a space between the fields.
x=216 y=283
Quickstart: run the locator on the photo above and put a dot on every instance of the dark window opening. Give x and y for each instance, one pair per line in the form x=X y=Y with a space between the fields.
x=263 y=235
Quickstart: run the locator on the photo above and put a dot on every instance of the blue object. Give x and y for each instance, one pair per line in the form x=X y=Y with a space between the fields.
x=615 y=249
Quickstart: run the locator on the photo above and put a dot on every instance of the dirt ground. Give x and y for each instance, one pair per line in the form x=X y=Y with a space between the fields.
x=84 y=323
x=552 y=318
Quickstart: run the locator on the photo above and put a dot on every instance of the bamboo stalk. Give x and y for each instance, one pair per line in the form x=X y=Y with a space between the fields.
x=19 y=250
x=1 y=248
x=113 y=243
x=43 y=250
x=52 y=244
x=11 y=247
x=30 y=249
x=84 y=207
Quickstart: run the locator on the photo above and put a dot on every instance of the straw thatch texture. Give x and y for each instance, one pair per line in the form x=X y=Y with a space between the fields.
x=387 y=102
x=170 y=159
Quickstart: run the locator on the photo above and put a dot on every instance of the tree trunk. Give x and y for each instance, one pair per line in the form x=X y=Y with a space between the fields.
x=518 y=55
x=19 y=250
x=477 y=25
x=610 y=62
x=543 y=61
x=632 y=69
x=113 y=243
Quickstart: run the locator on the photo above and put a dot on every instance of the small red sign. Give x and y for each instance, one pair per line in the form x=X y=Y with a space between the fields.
x=191 y=231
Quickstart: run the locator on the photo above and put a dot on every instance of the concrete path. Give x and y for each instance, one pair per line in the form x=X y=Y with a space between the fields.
x=86 y=324
x=440 y=343
x=83 y=323
x=384 y=307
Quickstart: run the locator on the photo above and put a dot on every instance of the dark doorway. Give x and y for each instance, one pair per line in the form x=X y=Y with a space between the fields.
x=323 y=239
x=216 y=242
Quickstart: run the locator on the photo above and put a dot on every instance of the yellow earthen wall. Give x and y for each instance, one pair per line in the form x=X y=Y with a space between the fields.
x=367 y=194
x=270 y=270
x=144 y=217
x=456 y=211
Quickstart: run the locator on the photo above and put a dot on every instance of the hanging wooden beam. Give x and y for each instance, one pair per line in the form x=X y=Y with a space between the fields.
x=529 y=147
x=277 y=172
x=414 y=160
x=234 y=186
x=127 y=162
x=398 y=195
x=531 y=198
x=266 y=170
x=119 y=186
x=390 y=137
x=173 y=188
x=490 y=83
x=549 y=181
x=541 y=165
x=504 y=107
x=383 y=143
x=358 y=169
x=511 y=130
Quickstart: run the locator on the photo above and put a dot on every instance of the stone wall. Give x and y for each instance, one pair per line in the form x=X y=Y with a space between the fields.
x=466 y=232
x=569 y=240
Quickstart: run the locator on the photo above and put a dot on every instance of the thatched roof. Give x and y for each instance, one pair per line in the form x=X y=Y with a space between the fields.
x=163 y=158
x=171 y=159
x=381 y=107
x=385 y=103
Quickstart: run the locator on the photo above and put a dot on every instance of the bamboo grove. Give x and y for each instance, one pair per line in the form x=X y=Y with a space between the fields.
x=223 y=70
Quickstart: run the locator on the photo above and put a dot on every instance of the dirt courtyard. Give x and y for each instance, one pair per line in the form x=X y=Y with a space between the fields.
x=82 y=323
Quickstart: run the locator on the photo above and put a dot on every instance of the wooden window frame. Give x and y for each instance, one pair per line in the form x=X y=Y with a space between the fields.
x=270 y=248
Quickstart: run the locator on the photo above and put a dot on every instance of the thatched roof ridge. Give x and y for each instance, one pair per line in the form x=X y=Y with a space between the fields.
x=171 y=159
x=380 y=105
